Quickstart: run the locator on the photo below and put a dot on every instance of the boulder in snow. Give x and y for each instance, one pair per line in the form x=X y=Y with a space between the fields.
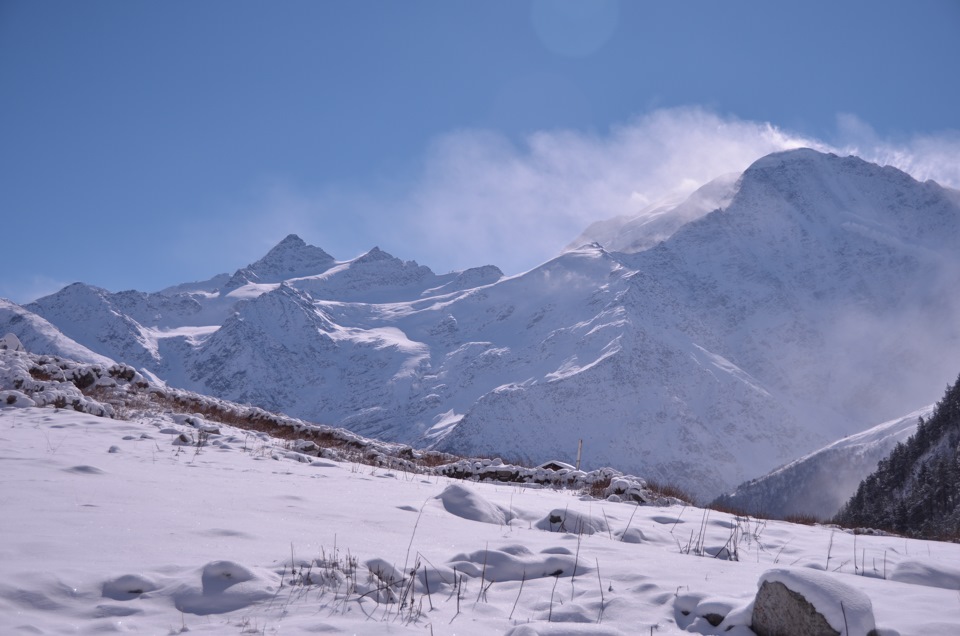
x=11 y=343
x=15 y=399
x=803 y=602
x=464 y=502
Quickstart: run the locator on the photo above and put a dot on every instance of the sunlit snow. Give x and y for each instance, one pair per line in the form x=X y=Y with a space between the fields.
x=120 y=526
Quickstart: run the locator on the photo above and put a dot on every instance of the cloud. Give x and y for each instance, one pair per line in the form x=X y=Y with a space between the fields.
x=935 y=157
x=483 y=198
x=480 y=197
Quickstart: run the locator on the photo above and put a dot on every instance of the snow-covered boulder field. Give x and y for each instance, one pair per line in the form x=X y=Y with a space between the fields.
x=166 y=523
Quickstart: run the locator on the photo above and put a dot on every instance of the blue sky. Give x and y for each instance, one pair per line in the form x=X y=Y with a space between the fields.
x=148 y=143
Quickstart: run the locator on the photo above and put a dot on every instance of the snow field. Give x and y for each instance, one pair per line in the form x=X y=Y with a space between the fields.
x=245 y=535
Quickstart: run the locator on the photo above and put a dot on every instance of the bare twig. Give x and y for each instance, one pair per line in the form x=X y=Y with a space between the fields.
x=629 y=522
x=426 y=583
x=600 y=615
x=829 y=550
x=483 y=573
x=576 y=562
x=522 y=579
x=556 y=579
x=678 y=517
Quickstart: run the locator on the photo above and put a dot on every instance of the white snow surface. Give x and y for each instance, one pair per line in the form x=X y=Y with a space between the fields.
x=117 y=526
x=925 y=571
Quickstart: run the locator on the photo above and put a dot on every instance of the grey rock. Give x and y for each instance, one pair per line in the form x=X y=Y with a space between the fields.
x=779 y=611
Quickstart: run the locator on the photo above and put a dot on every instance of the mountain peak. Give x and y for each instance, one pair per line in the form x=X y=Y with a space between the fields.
x=376 y=254
x=290 y=258
x=291 y=240
x=293 y=244
x=794 y=155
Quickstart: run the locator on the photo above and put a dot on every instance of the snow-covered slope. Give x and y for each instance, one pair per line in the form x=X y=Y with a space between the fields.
x=817 y=298
x=135 y=526
x=819 y=483
x=37 y=334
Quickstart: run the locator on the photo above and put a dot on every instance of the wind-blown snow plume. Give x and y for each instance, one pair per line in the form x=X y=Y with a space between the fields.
x=935 y=157
x=489 y=199
x=481 y=197
x=478 y=196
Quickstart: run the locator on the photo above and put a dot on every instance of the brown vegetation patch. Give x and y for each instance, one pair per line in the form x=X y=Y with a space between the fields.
x=39 y=374
x=803 y=519
x=598 y=489
x=671 y=490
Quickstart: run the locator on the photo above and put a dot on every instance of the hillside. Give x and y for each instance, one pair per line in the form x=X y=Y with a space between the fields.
x=916 y=489
x=818 y=484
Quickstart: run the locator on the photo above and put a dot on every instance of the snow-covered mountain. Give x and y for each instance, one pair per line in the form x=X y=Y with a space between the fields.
x=817 y=298
x=37 y=334
x=819 y=483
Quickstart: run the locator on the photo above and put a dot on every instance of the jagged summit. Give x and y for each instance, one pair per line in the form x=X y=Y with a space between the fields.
x=375 y=254
x=290 y=258
x=292 y=240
